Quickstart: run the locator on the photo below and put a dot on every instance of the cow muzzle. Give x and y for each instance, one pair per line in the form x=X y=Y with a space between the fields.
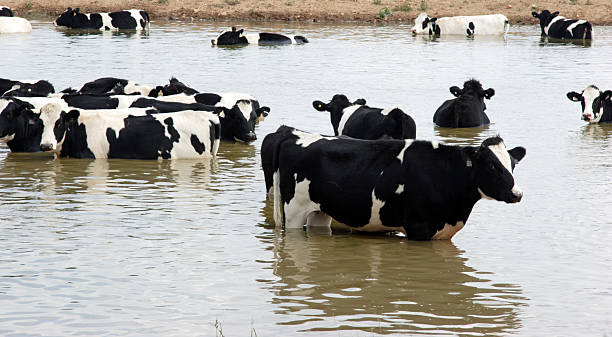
x=251 y=136
x=587 y=118
x=46 y=147
x=517 y=195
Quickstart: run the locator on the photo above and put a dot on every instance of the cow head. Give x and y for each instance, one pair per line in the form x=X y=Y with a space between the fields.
x=11 y=112
x=471 y=98
x=592 y=100
x=493 y=165
x=38 y=89
x=55 y=124
x=423 y=24
x=174 y=87
x=232 y=37
x=336 y=108
x=70 y=18
x=5 y=11
x=237 y=122
x=545 y=18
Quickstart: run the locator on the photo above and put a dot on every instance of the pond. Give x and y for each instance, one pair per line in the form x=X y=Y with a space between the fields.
x=185 y=248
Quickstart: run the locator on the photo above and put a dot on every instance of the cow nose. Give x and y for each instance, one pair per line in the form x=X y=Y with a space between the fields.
x=517 y=196
x=414 y=32
x=586 y=117
x=251 y=136
x=46 y=147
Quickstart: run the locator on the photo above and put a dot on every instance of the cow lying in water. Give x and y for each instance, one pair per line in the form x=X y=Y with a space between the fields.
x=596 y=105
x=129 y=19
x=236 y=37
x=11 y=24
x=37 y=88
x=423 y=189
x=493 y=24
x=467 y=110
x=558 y=27
x=178 y=135
x=358 y=120
x=110 y=86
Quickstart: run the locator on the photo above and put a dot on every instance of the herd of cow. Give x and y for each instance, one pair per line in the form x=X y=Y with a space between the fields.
x=423 y=189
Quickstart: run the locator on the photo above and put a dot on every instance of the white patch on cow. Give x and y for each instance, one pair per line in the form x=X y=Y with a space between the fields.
x=135 y=13
x=252 y=38
x=589 y=95
x=106 y=22
x=555 y=19
x=229 y=99
x=3 y=104
x=435 y=145
x=407 y=143
x=49 y=114
x=13 y=24
x=306 y=139
x=499 y=150
x=448 y=231
x=318 y=219
x=300 y=206
x=7 y=138
x=179 y=98
x=126 y=100
x=187 y=123
x=386 y=111
x=571 y=27
x=490 y=24
x=399 y=189
x=483 y=195
x=132 y=87
x=278 y=204
x=375 y=224
x=346 y=114
x=39 y=102
x=246 y=108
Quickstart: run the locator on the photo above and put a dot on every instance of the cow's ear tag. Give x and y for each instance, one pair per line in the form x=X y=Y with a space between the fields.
x=468 y=163
x=320 y=106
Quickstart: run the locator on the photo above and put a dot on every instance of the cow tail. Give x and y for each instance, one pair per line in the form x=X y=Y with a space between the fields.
x=279 y=211
x=506 y=26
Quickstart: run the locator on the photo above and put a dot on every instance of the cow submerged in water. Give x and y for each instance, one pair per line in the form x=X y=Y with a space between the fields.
x=558 y=27
x=422 y=189
x=237 y=37
x=128 y=19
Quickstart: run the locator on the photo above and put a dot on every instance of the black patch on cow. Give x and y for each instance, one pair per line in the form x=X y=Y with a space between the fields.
x=198 y=146
x=75 y=143
x=18 y=119
x=231 y=38
x=172 y=88
x=174 y=135
x=207 y=98
x=336 y=108
x=5 y=11
x=91 y=101
x=40 y=88
x=104 y=85
x=123 y=20
x=143 y=137
x=299 y=39
x=162 y=106
x=273 y=39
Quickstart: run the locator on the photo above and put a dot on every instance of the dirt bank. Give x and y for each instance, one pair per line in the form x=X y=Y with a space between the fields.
x=599 y=12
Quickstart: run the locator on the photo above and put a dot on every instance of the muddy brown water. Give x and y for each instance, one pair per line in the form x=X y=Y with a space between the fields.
x=148 y=248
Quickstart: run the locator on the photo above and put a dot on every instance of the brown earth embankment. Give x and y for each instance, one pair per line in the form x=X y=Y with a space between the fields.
x=598 y=12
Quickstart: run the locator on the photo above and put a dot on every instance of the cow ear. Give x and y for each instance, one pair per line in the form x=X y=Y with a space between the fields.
x=517 y=153
x=76 y=11
x=554 y=14
x=360 y=101
x=433 y=19
x=318 y=105
x=241 y=31
x=71 y=116
x=456 y=91
x=263 y=111
x=489 y=93
x=606 y=95
x=535 y=15
x=219 y=110
x=233 y=29
x=574 y=96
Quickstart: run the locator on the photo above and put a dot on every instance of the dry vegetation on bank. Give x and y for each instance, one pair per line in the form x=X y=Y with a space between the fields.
x=599 y=12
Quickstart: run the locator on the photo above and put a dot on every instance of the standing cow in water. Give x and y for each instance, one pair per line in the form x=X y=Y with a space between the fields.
x=9 y=23
x=558 y=27
x=236 y=37
x=467 y=110
x=129 y=19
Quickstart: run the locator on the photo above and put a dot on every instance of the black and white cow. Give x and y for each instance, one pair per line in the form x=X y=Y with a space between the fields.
x=16 y=130
x=422 y=189
x=237 y=37
x=358 y=120
x=128 y=19
x=238 y=127
x=558 y=27
x=111 y=86
x=37 y=88
x=177 y=135
x=596 y=105
x=6 y=11
x=493 y=24
x=467 y=110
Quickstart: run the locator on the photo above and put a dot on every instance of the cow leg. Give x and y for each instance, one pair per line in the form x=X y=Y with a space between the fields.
x=318 y=219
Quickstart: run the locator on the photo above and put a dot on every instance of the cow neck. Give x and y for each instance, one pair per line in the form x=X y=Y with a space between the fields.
x=606 y=114
x=72 y=146
x=469 y=194
x=18 y=143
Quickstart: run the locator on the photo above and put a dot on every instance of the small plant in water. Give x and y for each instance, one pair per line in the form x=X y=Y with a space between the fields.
x=423 y=5
x=384 y=12
x=403 y=7
x=377 y=2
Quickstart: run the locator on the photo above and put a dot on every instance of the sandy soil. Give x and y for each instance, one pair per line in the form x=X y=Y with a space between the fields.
x=598 y=12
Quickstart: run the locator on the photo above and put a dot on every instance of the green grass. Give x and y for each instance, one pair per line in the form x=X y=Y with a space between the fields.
x=28 y=5
x=232 y=2
x=423 y=5
x=377 y=2
x=162 y=2
x=384 y=12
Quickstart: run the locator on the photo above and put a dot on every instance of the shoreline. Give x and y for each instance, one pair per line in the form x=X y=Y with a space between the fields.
x=598 y=12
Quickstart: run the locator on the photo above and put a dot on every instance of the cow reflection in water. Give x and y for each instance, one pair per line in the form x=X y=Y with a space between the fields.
x=597 y=133
x=384 y=285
